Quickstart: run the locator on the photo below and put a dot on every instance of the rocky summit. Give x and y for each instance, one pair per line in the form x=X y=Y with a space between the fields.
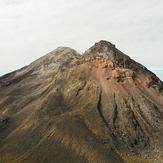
x=98 y=107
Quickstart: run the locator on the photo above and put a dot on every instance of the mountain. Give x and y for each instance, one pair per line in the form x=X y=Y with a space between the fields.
x=99 y=107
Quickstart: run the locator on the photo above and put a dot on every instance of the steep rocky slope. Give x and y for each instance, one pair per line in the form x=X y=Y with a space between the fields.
x=97 y=107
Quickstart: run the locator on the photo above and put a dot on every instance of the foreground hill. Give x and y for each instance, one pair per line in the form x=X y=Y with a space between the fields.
x=99 y=107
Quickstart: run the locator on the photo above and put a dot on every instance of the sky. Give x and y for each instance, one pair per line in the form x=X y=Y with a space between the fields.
x=31 y=28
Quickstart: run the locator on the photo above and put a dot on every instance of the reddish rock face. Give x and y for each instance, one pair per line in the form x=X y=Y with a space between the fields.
x=97 y=107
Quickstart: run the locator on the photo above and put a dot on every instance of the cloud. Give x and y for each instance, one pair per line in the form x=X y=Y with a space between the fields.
x=29 y=29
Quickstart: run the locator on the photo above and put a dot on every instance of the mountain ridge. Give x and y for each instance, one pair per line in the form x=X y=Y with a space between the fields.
x=101 y=106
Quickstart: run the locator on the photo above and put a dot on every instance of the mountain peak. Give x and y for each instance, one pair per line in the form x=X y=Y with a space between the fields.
x=108 y=51
x=65 y=107
x=102 y=46
x=104 y=43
